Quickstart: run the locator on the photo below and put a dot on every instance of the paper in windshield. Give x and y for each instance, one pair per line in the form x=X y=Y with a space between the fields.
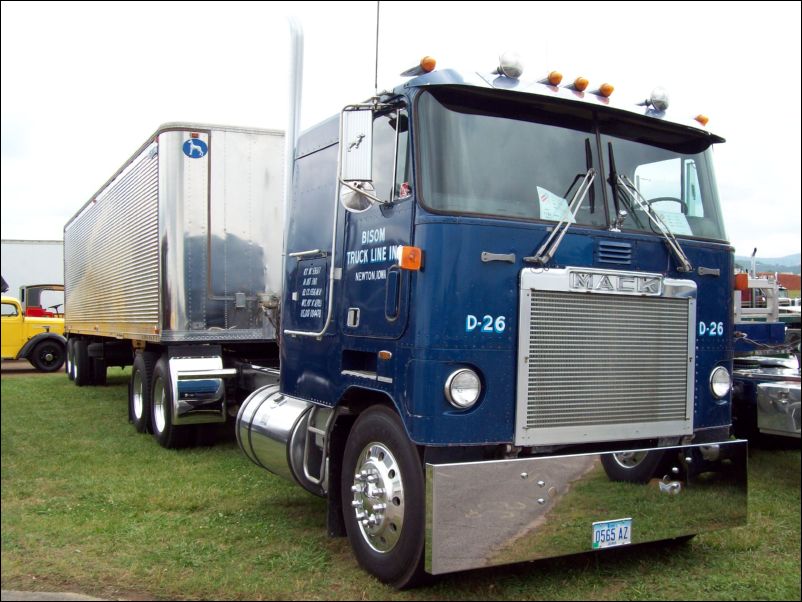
x=676 y=222
x=553 y=207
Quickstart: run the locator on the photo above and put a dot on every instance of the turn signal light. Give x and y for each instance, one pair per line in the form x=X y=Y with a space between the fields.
x=410 y=258
x=703 y=119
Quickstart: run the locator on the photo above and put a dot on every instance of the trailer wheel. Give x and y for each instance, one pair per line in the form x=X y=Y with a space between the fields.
x=382 y=492
x=139 y=403
x=98 y=372
x=68 y=364
x=632 y=466
x=82 y=364
x=161 y=410
x=48 y=356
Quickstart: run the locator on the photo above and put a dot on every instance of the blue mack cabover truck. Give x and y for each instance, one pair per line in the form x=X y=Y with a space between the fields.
x=505 y=302
x=501 y=330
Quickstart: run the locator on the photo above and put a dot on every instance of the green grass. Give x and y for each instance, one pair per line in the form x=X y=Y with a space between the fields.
x=89 y=505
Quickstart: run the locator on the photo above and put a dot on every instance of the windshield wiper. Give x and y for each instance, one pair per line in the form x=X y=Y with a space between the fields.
x=625 y=185
x=620 y=215
x=549 y=248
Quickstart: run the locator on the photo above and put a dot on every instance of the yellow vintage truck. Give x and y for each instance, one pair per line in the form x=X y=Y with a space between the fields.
x=38 y=339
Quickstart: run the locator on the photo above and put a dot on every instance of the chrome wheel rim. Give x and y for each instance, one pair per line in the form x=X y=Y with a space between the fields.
x=136 y=395
x=629 y=459
x=159 y=405
x=378 y=497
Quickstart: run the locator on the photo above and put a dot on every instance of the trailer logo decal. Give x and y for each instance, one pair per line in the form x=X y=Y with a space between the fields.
x=195 y=149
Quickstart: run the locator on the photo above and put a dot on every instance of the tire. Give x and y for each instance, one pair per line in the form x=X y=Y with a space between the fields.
x=98 y=371
x=68 y=364
x=48 y=356
x=632 y=467
x=381 y=466
x=161 y=410
x=83 y=364
x=139 y=391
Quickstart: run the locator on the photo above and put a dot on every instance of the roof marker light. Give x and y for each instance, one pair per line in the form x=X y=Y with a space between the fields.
x=703 y=119
x=426 y=65
x=580 y=84
x=552 y=79
x=606 y=90
x=510 y=64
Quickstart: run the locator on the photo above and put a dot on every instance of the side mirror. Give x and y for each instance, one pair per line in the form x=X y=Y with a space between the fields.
x=356 y=145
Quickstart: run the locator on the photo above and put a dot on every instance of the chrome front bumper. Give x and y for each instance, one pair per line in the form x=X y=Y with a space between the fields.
x=482 y=514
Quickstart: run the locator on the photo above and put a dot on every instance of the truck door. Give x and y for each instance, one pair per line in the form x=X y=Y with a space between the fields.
x=375 y=291
x=12 y=329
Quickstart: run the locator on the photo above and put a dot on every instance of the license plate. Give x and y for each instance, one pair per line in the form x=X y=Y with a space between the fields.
x=612 y=533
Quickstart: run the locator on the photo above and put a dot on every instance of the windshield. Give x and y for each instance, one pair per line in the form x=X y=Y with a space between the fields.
x=507 y=155
x=495 y=155
x=673 y=174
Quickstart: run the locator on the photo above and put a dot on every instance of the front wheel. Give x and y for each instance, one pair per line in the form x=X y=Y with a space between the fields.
x=632 y=466
x=382 y=492
x=48 y=356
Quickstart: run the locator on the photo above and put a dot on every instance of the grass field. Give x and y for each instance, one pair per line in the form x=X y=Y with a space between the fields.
x=89 y=505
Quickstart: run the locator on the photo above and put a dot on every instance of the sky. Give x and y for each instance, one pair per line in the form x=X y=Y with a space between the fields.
x=84 y=84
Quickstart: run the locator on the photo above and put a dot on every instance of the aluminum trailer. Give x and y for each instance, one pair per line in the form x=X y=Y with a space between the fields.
x=178 y=256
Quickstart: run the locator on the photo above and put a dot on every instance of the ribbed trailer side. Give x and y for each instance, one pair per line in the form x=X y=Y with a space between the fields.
x=184 y=243
x=111 y=256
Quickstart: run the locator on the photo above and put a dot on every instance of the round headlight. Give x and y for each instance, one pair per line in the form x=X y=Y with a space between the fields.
x=720 y=382
x=463 y=388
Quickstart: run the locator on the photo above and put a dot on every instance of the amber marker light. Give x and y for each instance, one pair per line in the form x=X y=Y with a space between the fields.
x=427 y=64
x=581 y=84
x=410 y=258
x=606 y=90
x=703 y=119
x=555 y=77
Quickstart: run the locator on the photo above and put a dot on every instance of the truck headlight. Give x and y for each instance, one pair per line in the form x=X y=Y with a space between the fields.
x=463 y=388
x=720 y=382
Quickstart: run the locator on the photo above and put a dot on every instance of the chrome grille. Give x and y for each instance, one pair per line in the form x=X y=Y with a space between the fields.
x=601 y=367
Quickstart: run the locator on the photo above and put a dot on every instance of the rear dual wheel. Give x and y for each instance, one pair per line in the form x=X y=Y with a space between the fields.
x=161 y=409
x=139 y=403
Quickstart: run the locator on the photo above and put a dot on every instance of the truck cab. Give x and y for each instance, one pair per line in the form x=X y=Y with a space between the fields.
x=40 y=340
x=497 y=291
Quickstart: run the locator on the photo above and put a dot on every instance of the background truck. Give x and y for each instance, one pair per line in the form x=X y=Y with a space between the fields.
x=38 y=339
x=483 y=307
x=766 y=376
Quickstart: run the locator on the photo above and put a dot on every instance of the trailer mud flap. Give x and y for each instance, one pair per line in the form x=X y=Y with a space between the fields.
x=483 y=514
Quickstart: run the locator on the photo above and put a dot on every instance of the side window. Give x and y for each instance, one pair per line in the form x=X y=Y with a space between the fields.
x=391 y=177
x=9 y=310
x=692 y=193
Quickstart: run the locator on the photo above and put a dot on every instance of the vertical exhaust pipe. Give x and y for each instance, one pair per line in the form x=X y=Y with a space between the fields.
x=295 y=81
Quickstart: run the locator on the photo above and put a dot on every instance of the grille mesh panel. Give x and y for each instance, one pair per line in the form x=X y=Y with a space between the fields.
x=606 y=359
